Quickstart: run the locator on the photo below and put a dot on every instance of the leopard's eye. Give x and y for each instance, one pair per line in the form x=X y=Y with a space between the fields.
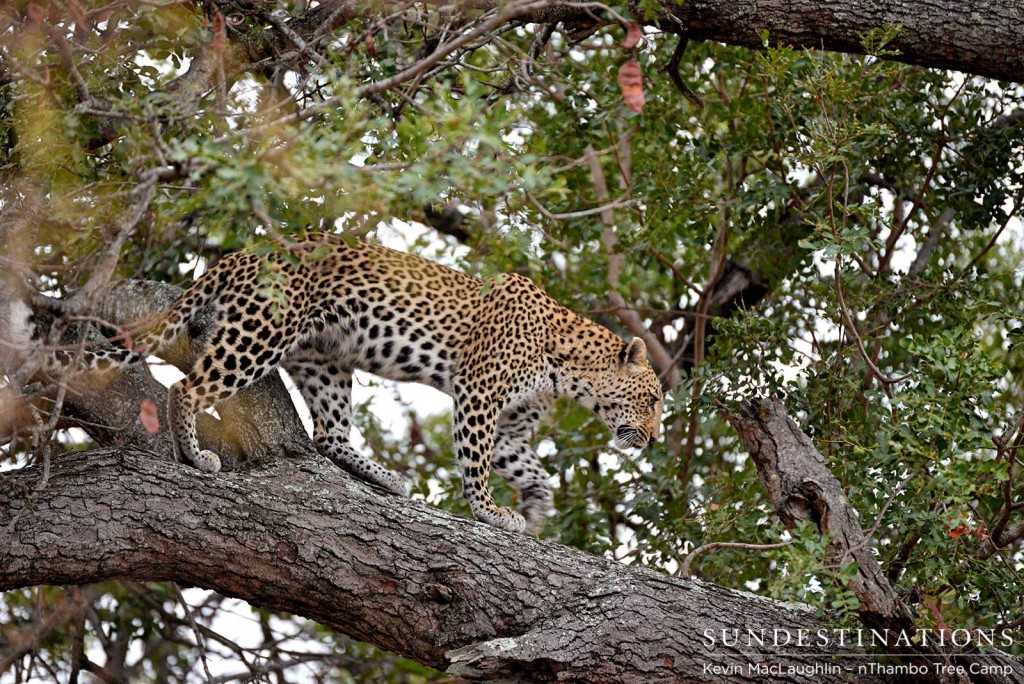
x=654 y=400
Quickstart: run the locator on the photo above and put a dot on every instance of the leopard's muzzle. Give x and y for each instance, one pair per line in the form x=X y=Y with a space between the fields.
x=631 y=437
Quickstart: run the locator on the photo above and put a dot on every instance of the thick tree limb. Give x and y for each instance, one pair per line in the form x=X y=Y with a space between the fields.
x=304 y=538
x=935 y=34
x=803 y=489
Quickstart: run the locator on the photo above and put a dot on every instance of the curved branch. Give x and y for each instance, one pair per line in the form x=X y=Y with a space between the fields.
x=452 y=593
x=802 y=489
x=684 y=568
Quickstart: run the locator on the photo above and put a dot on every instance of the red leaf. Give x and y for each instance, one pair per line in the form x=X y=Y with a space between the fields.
x=633 y=34
x=149 y=416
x=371 y=47
x=631 y=83
x=35 y=13
x=958 y=532
x=218 y=32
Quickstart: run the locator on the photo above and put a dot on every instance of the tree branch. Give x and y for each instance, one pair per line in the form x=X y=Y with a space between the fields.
x=802 y=489
x=932 y=34
x=303 y=537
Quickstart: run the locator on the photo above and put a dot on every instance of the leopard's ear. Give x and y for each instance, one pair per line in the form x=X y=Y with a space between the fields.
x=633 y=355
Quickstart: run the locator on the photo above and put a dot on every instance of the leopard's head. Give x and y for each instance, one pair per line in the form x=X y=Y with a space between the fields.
x=628 y=397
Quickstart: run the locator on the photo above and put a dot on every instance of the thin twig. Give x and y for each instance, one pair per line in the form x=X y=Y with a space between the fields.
x=684 y=568
x=931 y=242
x=294 y=37
x=200 y=643
x=615 y=204
x=68 y=62
x=991 y=243
x=852 y=330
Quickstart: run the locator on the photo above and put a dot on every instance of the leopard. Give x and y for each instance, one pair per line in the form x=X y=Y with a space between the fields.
x=321 y=306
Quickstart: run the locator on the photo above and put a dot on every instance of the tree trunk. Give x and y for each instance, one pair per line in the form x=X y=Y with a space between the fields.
x=258 y=424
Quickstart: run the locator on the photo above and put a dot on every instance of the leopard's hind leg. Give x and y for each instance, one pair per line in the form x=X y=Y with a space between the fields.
x=326 y=386
x=241 y=351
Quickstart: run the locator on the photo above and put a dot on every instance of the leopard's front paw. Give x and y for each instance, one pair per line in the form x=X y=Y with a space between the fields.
x=505 y=518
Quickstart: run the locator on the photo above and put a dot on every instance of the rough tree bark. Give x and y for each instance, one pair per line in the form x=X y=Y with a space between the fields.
x=937 y=34
x=301 y=536
x=802 y=489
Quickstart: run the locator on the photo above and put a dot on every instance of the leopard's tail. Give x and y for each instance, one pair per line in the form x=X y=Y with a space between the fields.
x=164 y=331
